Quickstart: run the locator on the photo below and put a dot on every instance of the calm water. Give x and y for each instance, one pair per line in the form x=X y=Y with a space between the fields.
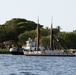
x=30 y=65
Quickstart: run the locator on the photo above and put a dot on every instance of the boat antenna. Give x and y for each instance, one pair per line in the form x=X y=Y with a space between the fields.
x=51 y=35
x=38 y=35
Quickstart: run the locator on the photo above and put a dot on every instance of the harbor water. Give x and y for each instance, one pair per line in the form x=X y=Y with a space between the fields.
x=36 y=65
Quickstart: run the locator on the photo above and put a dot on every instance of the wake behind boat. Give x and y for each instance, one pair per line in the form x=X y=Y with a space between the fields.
x=33 y=49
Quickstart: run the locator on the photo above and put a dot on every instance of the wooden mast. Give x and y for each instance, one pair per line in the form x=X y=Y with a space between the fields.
x=51 y=35
x=38 y=35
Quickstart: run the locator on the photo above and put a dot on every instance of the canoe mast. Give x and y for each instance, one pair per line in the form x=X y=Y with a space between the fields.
x=38 y=35
x=51 y=35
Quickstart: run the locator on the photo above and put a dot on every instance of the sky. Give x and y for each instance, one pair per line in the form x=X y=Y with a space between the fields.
x=62 y=11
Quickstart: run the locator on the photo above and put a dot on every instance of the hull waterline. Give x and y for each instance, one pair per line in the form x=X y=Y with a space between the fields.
x=17 y=53
x=50 y=55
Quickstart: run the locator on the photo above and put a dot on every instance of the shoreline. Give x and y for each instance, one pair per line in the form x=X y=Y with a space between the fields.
x=4 y=51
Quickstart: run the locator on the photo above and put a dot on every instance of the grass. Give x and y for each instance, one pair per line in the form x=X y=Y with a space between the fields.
x=4 y=51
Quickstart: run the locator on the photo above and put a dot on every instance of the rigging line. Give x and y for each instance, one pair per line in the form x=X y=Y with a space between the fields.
x=60 y=42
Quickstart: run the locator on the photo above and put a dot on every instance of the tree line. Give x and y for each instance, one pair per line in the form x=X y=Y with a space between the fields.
x=17 y=31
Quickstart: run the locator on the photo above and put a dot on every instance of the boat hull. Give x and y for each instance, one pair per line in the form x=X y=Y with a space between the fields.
x=50 y=55
x=17 y=53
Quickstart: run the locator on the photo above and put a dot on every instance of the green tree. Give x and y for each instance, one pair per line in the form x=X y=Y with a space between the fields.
x=2 y=33
x=16 y=26
x=24 y=36
x=68 y=39
x=45 y=40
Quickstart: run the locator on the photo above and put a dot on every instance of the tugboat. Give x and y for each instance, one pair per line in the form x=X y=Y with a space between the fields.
x=36 y=50
x=16 y=51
